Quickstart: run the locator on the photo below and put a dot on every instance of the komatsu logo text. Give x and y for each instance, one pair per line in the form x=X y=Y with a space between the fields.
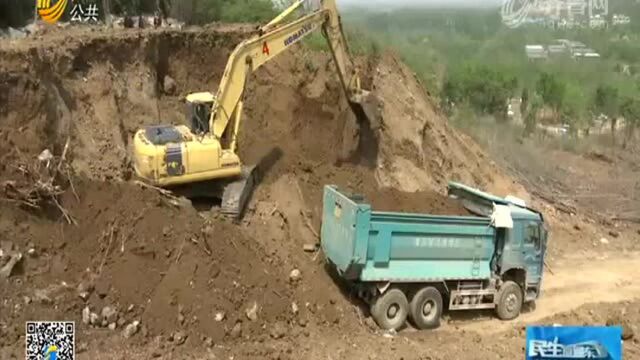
x=298 y=35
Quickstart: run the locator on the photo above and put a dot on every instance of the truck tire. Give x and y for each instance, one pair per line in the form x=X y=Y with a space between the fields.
x=426 y=308
x=390 y=309
x=509 y=301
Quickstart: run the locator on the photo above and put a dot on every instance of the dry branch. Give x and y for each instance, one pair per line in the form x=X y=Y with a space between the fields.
x=43 y=181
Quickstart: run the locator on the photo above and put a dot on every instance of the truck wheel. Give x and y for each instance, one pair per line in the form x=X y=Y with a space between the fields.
x=390 y=309
x=509 y=301
x=426 y=308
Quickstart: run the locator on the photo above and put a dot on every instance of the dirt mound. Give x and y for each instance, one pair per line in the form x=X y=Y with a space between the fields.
x=417 y=202
x=150 y=260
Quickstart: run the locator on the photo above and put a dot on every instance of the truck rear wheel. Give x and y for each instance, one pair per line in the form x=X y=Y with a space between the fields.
x=509 y=301
x=390 y=309
x=426 y=308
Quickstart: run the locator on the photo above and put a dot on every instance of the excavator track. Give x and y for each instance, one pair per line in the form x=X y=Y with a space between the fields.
x=236 y=194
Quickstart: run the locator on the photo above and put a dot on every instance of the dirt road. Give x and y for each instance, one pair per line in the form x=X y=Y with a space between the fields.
x=610 y=278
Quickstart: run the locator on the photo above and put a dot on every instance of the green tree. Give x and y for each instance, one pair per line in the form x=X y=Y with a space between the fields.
x=575 y=109
x=630 y=110
x=485 y=89
x=552 y=90
x=607 y=102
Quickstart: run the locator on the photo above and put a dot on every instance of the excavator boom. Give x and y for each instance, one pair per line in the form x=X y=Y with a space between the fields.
x=272 y=40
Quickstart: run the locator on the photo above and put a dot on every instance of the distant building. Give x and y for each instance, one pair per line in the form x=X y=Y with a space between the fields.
x=536 y=52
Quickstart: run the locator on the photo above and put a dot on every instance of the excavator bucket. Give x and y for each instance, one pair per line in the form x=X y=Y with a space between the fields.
x=236 y=194
x=368 y=109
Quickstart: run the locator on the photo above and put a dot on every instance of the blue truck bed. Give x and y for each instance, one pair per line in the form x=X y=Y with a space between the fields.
x=371 y=246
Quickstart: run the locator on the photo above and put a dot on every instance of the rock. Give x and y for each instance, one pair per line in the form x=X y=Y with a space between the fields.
x=310 y=247
x=32 y=252
x=169 y=85
x=278 y=331
x=219 y=316
x=94 y=319
x=180 y=319
x=208 y=342
x=131 y=329
x=45 y=155
x=86 y=315
x=627 y=328
x=121 y=321
x=614 y=233
x=112 y=326
x=180 y=337
x=252 y=312
x=295 y=275
x=130 y=308
x=236 y=332
x=109 y=314
x=389 y=333
x=302 y=322
x=102 y=289
x=294 y=308
x=42 y=296
x=7 y=269
x=84 y=290
x=604 y=241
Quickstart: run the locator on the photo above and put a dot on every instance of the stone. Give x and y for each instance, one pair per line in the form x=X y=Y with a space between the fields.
x=84 y=290
x=627 y=328
x=252 y=312
x=294 y=308
x=614 y=233
x=236 y=332
x=309 y=247
x=112 y=326
x=278 y=331
x=86 y=315
x=94 y=319
x=131 y=329
x=219 y=316
x=109 y=314
x=180 y=337
x=208 y=342
x=295 y=275
x=604 y=241
x=7 y=269
x=169 y=85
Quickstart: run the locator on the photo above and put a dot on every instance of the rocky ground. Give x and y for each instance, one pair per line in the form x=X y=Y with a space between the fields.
x=144 y=276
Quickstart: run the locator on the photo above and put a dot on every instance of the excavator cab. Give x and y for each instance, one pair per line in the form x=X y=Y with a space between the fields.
x=198 y=111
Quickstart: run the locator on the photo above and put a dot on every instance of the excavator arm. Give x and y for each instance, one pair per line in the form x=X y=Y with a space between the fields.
x=273 y=39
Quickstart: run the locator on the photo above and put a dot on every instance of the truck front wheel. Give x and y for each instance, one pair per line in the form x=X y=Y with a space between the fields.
x=390 y=309
x=426 y=308
x=509 y=301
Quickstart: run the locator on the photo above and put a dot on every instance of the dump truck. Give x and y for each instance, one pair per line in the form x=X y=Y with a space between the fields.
x=414 y=266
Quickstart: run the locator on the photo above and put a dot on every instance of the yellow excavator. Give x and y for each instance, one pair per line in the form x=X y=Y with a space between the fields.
x=203 y=154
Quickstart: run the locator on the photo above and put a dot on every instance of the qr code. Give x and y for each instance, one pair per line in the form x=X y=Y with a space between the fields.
x=50 y=340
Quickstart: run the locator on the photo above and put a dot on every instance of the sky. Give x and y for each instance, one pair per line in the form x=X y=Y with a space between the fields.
x=438 y=3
